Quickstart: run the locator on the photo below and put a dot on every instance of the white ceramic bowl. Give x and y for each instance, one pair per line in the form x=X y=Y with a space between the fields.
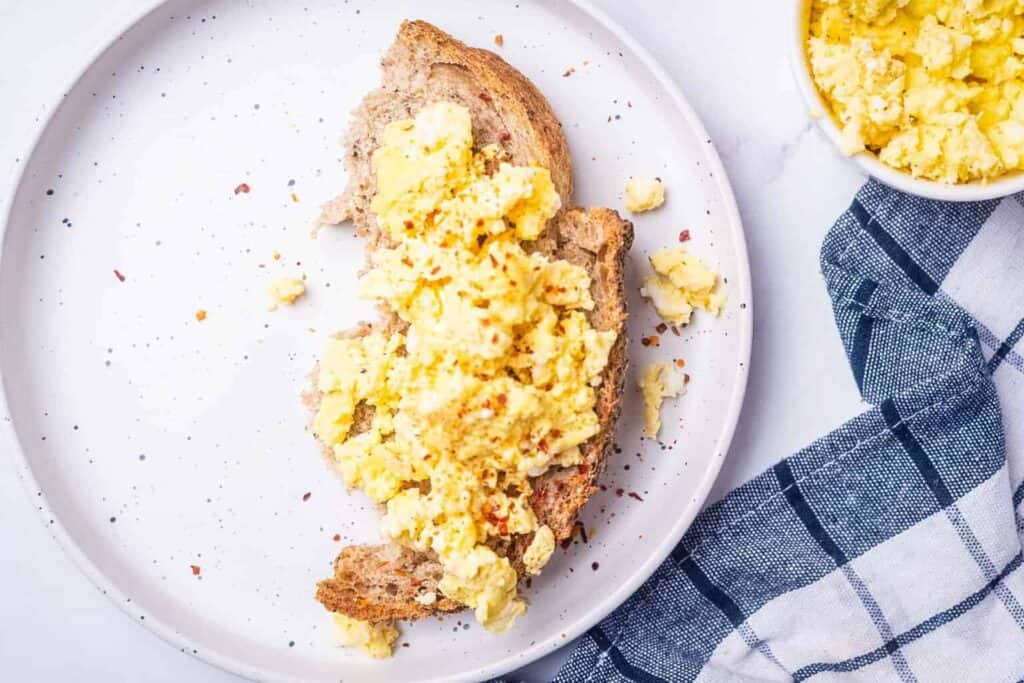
x=966 y=192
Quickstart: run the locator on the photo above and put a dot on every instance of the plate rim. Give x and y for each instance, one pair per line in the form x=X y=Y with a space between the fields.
x=740 y=283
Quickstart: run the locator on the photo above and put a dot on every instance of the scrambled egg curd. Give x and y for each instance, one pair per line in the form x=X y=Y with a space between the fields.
x=659 y=381
x=489 y=378
x=934 y=87
x=680 y=284
x=285 y=290
x=644 y=194
x=375 y=639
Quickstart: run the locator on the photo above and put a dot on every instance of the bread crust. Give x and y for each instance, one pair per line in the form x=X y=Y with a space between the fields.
x=508 y=110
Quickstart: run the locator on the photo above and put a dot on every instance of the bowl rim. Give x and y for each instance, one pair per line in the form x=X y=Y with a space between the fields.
x=819 y=110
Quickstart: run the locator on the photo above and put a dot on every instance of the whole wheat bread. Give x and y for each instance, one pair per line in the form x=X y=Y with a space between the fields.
x=426 y=65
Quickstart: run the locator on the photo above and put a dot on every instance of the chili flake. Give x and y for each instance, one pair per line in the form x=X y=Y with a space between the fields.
x=242 y=188
x=499 y=40
x=195 y=569
x=306 y=496
x=201 y=314
x=118 y=275
x=634 y=494
x=684 y=236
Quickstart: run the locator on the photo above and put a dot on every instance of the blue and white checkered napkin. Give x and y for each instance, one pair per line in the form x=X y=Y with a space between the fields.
x=891 y=548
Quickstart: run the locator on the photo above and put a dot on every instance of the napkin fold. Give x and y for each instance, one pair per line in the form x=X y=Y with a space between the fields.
x=889 y=549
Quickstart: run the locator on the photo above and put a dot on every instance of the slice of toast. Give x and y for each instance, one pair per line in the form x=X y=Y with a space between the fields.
x=425 y=65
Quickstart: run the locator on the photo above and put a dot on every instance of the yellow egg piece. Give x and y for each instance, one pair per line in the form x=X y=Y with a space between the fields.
x=658 y=382
x=681 y=283
x=377 y=640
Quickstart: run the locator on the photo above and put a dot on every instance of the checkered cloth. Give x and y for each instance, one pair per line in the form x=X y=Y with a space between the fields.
x=891 y=548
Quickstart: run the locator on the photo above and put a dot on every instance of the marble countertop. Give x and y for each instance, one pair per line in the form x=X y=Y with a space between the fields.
x=730 y=58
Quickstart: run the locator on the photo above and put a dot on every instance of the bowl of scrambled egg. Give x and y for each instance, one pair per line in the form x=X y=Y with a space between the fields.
x=926 y=95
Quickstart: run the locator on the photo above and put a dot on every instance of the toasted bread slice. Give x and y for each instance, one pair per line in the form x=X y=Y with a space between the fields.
x=425 y=65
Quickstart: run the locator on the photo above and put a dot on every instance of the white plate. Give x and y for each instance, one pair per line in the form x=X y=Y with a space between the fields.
x=152 y=442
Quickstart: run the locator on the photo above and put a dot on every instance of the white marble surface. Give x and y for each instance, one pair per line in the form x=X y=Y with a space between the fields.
x=730 y=58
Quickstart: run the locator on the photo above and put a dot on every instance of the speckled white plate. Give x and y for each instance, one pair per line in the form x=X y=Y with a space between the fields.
x=169 y=455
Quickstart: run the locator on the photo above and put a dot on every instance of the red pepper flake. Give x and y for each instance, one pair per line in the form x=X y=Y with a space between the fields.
x=195 y=569
x=594 y=566
x=407 y=262
x=435 y=270
x=584 y=469
x=242 y=188
x=306 y=496
x=680 y=363
x=415 y=582
x=569 y=72
x=499 y=40
x=646 y=341
x=684 y=236
x=201 y=314
x=686 y=378
x=485 y=97
x=409 y=225
x=503 y=527
x=502 y=399
x=505 y=136
x=662 y=328
x=619 y=492
x=675 y=330
x=118 y=275
x=337 y=537
x=634 y=494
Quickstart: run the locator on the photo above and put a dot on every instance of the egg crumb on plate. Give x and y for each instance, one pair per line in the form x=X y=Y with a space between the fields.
x=487 y=375
x=377 y=640
x=933 y=87
x=644 y=194
x=681 y=283
x=658 y=382
x=285 y=290
x=539 y=551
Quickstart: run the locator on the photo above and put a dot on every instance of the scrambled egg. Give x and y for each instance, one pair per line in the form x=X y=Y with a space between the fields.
x=489 y=379
x=285 y=290
x=539 y=551
x=934 y=87
x=375 y=639
x=680 y=284
x=659 y=381
x=644 y=194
